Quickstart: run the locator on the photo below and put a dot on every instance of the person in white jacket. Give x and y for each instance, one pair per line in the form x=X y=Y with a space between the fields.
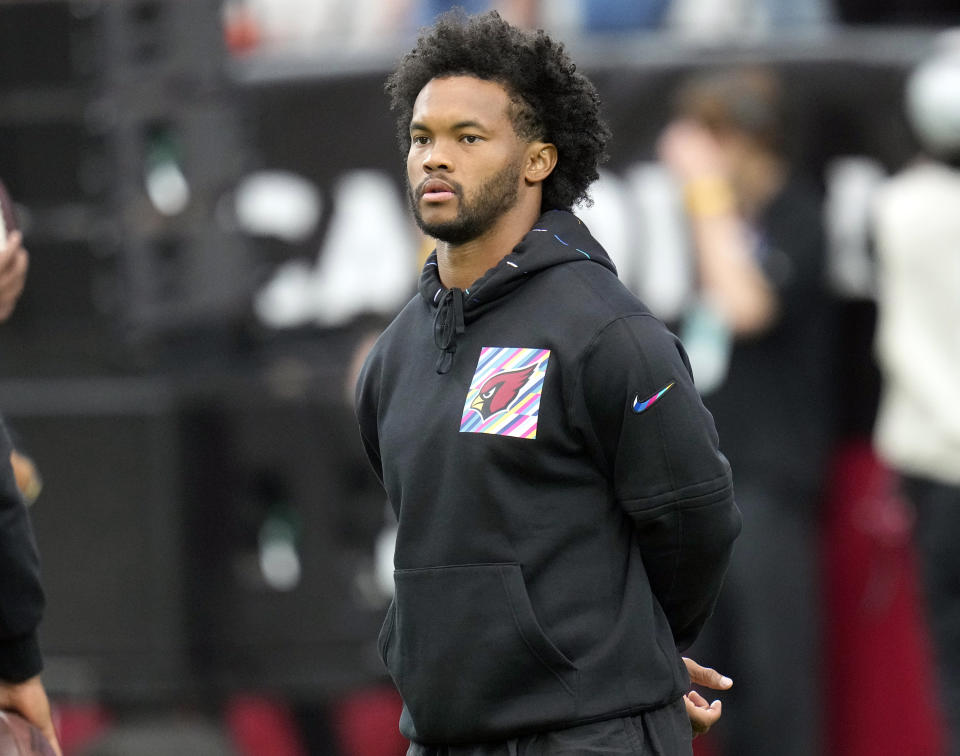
x=917 y=433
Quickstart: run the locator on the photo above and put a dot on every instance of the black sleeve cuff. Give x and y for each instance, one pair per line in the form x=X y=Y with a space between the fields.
x=20 y=658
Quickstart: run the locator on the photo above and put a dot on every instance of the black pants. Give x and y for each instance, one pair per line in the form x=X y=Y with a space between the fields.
x=661 y=732
x=937 y=534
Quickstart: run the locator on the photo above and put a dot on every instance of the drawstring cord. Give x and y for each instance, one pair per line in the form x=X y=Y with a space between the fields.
x=447 y=326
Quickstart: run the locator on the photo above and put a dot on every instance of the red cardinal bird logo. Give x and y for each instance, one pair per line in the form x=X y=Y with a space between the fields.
x=497 y=393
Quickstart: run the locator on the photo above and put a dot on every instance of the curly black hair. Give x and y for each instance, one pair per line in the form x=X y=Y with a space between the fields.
x=552 y=102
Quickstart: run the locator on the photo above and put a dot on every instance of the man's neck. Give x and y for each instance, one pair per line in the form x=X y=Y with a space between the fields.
x=462 y=264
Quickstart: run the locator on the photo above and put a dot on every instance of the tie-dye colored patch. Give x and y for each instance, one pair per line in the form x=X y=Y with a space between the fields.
x=504 y=395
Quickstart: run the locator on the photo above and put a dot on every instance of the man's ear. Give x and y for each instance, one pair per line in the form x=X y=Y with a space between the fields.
x=541 y=160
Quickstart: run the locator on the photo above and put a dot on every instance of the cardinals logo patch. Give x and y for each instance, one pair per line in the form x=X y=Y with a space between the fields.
x=504 y=395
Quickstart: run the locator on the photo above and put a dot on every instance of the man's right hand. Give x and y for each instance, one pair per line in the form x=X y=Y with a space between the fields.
x=703 y=715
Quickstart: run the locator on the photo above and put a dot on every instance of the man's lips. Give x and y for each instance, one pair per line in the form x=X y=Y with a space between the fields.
x=434 y=190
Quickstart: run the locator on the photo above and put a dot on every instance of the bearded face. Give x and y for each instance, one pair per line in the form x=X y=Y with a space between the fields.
x=466 y=161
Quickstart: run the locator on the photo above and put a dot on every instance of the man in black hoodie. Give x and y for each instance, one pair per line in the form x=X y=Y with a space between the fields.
x=565 y=515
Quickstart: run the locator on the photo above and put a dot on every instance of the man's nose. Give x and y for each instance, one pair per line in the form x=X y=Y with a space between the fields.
x=437 y=158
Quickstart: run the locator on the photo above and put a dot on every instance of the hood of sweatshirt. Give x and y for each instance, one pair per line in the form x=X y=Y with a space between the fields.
x=557 y=238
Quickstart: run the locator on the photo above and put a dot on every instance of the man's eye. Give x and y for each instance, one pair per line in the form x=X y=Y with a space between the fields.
x=471 y=138
x=420 y=140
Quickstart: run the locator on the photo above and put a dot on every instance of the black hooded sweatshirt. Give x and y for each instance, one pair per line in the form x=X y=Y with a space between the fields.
x=565 y=515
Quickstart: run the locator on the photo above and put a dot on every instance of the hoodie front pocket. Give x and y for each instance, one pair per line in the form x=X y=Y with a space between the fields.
x=470 y=657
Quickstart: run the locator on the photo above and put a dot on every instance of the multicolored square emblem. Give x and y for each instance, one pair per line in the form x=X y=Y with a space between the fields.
x=504 y=395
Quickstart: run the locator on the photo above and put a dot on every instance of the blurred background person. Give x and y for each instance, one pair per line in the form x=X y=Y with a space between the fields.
x=917 y=433
x=758 y=334
x=21 y=595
